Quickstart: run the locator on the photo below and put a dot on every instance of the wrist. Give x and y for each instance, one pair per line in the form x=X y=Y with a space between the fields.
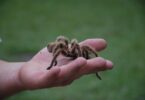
x=9 y=78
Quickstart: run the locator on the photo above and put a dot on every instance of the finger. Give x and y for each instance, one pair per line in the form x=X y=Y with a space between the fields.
x=94 y=65
x=97 y=44
x=69 y=70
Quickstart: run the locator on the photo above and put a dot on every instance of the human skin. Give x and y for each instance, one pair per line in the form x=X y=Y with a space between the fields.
x=20 y=76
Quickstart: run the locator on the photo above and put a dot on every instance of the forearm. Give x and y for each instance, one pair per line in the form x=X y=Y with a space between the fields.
x=9 y=80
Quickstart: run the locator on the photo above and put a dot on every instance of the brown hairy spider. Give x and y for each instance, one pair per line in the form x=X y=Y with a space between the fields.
x=72 y=50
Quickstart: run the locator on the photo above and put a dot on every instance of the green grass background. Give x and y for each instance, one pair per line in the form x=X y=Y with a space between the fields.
x=26 y=26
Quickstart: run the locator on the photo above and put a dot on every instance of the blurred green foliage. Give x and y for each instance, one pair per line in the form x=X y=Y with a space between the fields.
x=26 y=26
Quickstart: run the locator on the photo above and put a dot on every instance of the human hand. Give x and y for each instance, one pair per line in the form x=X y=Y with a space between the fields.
x=33 y=74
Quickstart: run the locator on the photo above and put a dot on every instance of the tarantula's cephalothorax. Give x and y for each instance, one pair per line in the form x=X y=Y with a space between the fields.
x=72 y=49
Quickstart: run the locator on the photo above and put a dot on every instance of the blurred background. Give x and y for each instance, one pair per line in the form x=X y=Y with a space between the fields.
x=26 y=26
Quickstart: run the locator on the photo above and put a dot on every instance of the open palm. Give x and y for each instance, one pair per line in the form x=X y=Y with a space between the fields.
x=33 y=74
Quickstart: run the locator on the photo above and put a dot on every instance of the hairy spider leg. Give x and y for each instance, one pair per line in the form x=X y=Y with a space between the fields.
x=55 y=63
x=75 y=49
x=56 y=47
x=98 y=76
x=57 y=53
x=54 y=58
x=50 y=47
x=78 y=49
x=59 y=45
x=69 y=54
x=93 y=51
x=62 y=39
x=85 y=53
x=66 y=53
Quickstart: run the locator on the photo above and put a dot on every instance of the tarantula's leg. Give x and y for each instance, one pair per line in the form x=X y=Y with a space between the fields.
x=55 y=63
x=85 y=53
x=91 y=50
x=54 y=59
x=60 y=45
x=56 y=48
x=75 y=48
x=71 y=55
x=50 y=47
x=99 y=77
x=86 y=48
x=63 y=39
x=79 y=51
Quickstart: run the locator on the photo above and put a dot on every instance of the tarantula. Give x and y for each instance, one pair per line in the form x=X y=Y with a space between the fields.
x=72 y=49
